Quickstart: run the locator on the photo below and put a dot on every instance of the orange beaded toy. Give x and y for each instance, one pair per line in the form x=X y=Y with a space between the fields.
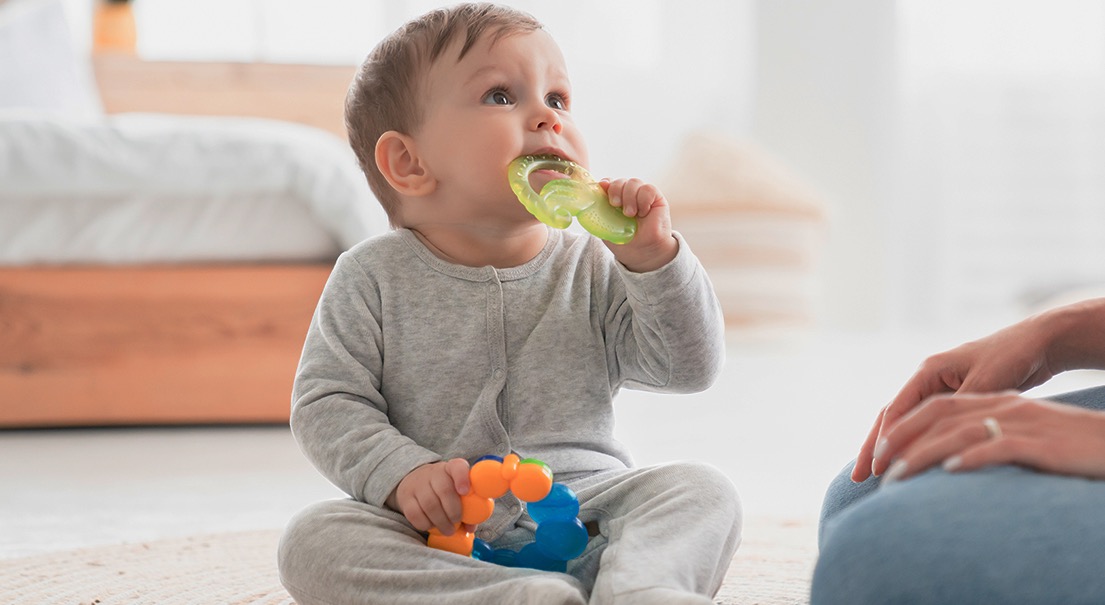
x=560 y=535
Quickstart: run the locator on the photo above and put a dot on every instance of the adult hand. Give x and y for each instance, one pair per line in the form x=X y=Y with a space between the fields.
x=1015 y=357
x=966 y=432
x=429 y=496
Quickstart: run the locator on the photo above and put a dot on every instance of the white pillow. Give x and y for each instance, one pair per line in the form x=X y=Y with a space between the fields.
x=39 y=68
x=161 y=188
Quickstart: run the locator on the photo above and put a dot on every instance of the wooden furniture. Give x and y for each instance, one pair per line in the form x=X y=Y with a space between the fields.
x=307 y=94
x=195 y=344
x=152 y=344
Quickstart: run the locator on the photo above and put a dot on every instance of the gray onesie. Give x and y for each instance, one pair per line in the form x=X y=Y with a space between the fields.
x=410 y=359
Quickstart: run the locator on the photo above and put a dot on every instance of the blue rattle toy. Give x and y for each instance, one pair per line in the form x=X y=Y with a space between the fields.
x=577 y=195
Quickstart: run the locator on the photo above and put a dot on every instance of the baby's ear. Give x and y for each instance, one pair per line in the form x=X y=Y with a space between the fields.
x=398 y=161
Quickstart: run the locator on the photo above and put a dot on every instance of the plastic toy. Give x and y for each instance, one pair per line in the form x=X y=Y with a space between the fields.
x=577 y=195
x=560 y=536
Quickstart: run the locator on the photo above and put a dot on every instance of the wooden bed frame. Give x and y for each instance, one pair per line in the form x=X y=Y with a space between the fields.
x=173 y=344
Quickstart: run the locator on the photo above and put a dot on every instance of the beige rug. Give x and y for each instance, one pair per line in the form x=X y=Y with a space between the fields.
x=772 y=567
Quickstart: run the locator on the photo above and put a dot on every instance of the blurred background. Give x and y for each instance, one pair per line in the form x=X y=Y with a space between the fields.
x=955 y=148
x=866 y=181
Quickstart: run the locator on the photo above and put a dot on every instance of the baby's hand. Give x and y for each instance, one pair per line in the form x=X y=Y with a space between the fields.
x=653 y=246
x=429 y=496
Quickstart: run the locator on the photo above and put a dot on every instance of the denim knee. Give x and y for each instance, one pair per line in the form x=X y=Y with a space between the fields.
x=998 y=535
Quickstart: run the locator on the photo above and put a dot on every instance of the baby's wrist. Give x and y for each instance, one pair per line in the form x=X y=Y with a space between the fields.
x=392 y=501
x=646 y=258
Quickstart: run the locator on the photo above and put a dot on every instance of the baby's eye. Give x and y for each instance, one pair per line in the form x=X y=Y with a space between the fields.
x=556 y=101
x=497 y=97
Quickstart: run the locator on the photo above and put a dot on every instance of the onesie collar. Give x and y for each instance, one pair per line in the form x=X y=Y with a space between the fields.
x=487 y=273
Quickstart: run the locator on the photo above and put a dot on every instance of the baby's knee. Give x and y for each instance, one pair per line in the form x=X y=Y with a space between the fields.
x=303 y=546
x=701 y=479
x=702 y=487
x=360 y=534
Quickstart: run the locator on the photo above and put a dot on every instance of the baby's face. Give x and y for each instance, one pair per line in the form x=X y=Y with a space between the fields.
x=499 y=102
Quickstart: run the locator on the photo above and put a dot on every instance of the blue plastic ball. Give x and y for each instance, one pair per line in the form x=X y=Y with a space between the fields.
x=561 y=540
x=504 y=557
x=532 y=557
x=560 y=505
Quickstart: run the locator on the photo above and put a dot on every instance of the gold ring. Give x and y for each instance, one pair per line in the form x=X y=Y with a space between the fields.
x=993 y=429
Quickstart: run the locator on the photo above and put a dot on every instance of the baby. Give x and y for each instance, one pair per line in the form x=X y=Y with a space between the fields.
x=473 y=329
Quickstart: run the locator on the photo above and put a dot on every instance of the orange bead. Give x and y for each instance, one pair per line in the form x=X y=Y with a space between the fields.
x=476 y=509
x=533 y=482
x=460 y=542
x=487 y=480
x=510 y=466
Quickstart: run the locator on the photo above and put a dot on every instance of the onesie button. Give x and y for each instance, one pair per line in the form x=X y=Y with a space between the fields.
x=498 y=373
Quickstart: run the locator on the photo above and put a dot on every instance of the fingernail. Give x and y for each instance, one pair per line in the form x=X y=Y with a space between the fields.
x=895 y=472
x=953 y=463
x=880 y=448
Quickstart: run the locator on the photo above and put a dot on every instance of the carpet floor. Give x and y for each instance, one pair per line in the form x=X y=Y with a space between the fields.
x=772 y=567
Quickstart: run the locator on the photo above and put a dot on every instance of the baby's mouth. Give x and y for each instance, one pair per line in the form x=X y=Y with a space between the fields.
x=539 y=178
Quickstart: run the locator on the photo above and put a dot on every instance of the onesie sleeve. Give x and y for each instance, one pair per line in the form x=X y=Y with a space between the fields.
x=665 y=330
x=339 y=416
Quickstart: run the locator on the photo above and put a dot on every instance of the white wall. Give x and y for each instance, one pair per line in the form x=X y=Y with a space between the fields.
x=825 y=103
x=645 y=72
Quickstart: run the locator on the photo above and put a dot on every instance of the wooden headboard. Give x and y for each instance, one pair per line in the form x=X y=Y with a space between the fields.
x=307 y=94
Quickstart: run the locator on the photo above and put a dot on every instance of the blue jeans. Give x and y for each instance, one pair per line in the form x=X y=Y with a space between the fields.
x=1002 y=534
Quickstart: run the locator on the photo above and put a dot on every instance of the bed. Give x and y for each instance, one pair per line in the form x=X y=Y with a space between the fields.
x=161 y=268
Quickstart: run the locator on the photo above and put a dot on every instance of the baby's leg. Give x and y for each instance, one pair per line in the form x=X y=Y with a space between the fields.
x=671 y=531
x=347 y=552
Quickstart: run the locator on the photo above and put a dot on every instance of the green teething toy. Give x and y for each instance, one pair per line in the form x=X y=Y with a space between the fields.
x=577 y=195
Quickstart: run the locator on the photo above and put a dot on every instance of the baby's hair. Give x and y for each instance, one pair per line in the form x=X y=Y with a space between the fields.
x=385 y=93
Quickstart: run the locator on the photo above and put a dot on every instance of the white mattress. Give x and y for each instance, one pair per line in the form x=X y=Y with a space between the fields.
x=151 y=188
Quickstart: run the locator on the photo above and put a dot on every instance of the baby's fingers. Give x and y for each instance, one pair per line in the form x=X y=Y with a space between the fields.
x=630 y=201
x=648 y=196
x=442 y=504
x=417 y=517
x=613 y=191
x=457 y=469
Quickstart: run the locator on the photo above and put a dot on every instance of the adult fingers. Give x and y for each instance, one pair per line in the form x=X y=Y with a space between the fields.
x=937 y=414
x=1002 y=450
x=864 y=459
x=931 y=379
x=945 y=440
x=1052 y=437
x=887 y=420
